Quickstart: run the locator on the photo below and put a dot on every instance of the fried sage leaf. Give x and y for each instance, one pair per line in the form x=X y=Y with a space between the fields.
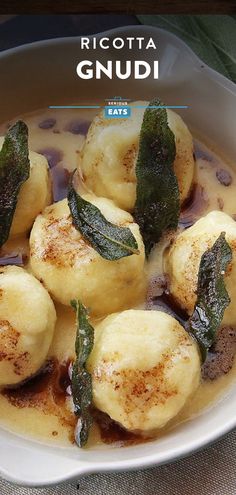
x=157 y=204
x=14 y=171
x=81 y=383
x=212 y=296
x=110 y=241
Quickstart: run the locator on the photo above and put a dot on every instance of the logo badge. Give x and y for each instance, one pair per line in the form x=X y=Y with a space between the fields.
x=117 y=108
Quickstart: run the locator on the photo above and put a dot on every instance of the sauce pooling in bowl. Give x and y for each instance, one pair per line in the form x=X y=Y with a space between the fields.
x=42 y=407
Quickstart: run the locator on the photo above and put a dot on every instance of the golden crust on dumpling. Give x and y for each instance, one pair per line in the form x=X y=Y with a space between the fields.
x=70 y=268
x=27 y=321
x=144 y=367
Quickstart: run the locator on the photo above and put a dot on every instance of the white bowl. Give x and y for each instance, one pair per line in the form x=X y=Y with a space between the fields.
x=42 y=74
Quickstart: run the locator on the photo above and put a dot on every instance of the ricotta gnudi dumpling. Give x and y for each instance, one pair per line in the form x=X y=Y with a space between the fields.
x=183 y=260
x=108 y=158
x=34 y=194
x=70 y=268
x=27 y=321
x=144 y=367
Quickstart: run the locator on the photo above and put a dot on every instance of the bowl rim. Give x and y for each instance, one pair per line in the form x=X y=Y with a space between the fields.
x=86 y=467
x=124 y=29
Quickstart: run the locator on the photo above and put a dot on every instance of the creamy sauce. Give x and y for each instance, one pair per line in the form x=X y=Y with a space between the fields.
x=42 y=409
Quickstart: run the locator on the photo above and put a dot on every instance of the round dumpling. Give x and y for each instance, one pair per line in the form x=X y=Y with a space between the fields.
x=27 y=321
x=34 y=194
x=144 y=367
x=70 y=268
x=183 y=260
x=108 y=158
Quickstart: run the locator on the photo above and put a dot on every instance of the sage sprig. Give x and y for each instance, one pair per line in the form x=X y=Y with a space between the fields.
x=212 y=296
x=211 y=37
x=157 y=204
x=14 y=171
x=81 y=382
x=111 y=241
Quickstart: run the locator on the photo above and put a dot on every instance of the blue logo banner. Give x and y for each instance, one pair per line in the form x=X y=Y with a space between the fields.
x=117 y=112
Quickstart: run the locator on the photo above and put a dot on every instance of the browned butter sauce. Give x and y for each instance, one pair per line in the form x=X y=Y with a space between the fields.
x=46 y=392
x=42 y=407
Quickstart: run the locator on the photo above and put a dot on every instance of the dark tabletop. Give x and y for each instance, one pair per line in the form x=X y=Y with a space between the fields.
x=18 y=30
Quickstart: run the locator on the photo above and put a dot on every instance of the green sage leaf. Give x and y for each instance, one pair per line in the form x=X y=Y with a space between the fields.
x=212 y=296
x=14 y=171
x=211 y=37
x=157 y=204
x=81 y=383
x=110 y=241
